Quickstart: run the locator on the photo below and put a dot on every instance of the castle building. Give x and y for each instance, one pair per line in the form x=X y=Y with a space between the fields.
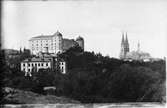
x=53 y=43
x=124 y=47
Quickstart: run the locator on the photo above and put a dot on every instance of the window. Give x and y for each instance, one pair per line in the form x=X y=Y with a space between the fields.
x=35 y=64
x=41 y=64
x=28 y=64
x=46 y=64
x=38 y=64
x=32 y=65
x=28 y=70
x=23 y=64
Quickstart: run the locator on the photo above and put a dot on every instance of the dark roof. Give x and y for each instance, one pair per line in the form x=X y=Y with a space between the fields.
x=79 y=38
x=42 y=37
x=35 y=59
x=46 y=36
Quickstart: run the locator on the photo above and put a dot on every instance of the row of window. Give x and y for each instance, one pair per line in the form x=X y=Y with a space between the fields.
x=42 y=44
x=36 y=64
x=44 y=41
x=25 y=69
x=36 y=41
x=38 y=48
x=29 y=70
x=61 y=63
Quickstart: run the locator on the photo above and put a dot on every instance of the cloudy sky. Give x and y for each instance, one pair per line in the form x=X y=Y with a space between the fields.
x=100 y=23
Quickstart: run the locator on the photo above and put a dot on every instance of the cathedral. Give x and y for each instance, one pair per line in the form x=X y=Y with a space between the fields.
x=138 y=55
x=124 y=46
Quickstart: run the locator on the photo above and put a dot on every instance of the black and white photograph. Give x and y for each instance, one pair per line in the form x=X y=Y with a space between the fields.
x=83 y=53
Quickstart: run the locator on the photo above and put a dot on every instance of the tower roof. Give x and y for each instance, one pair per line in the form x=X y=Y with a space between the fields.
x=58 y=33
x=79 y=38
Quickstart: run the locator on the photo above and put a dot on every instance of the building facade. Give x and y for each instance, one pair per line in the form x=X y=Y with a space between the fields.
x=52 y=43
x=36 y=63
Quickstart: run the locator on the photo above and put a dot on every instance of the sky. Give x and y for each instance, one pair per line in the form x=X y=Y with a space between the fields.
x=100 y=23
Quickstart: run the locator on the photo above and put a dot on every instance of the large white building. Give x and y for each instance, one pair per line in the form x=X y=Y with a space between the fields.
x=52 y=43
x=36 y=63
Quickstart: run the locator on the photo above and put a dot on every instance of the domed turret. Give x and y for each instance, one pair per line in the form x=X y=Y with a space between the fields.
x=80 y=41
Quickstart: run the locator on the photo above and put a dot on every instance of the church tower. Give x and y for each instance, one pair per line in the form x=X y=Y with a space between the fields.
x=124 y=47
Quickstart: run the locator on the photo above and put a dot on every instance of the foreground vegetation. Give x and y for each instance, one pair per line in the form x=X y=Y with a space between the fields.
x=94 y=78
x=15 y=96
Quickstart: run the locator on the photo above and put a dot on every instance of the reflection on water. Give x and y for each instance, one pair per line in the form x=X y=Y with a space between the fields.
x=113 y=105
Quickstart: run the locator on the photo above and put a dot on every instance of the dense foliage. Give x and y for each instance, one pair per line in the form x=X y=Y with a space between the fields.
x=94 y=78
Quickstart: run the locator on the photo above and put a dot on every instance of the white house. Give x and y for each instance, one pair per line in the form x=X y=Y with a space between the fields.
x=36 y=63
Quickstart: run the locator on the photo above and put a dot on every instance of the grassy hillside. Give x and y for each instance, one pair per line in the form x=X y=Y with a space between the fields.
x=15 y=96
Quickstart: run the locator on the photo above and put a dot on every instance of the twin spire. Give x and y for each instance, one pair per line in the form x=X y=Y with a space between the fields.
x=124 y=46
x=124 y=41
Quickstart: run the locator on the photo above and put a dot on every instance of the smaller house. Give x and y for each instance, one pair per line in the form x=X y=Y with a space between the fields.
x=62 y=66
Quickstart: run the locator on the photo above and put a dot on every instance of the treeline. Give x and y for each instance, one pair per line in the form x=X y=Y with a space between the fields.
x=94 y=78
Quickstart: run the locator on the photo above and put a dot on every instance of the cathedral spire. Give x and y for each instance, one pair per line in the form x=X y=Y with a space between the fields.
x=122 y=39
x=126 y=44
x=126 y=40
